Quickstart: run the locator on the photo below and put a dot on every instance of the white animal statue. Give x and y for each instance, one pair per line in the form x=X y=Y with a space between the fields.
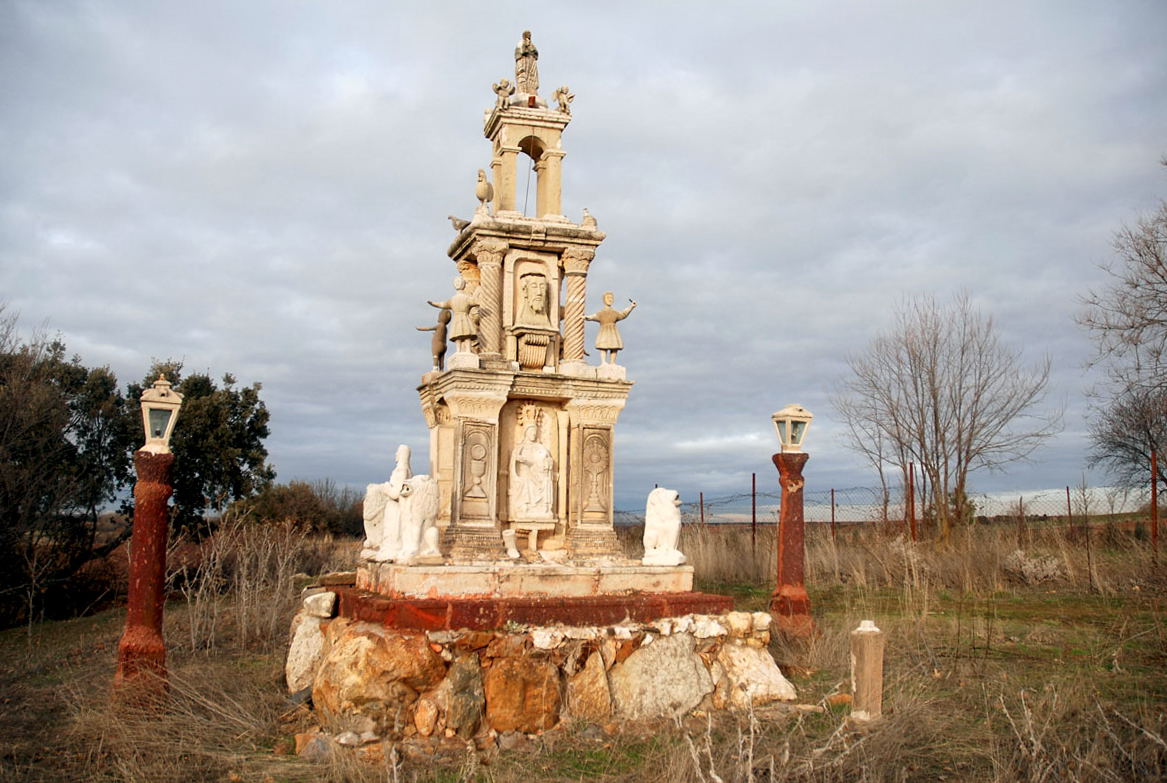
x=418 y=510
x=662 y=528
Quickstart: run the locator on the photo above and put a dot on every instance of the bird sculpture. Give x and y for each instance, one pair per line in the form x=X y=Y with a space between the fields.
x=483 y=191
x=458 y=223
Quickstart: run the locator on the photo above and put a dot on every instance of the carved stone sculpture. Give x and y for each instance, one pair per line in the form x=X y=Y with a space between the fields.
x=662 y=528
x=564 y=96
x=527 y=65
x=418 y=509
x=438 y=343
x=382 y=514
x=532 y=479
x=483 y=190
x=504 y=90
x=463 y=306
x=533 y=310
x=608 y=340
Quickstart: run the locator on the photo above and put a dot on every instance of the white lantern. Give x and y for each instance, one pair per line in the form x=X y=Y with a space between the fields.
x=792 y=422
x=160 y=406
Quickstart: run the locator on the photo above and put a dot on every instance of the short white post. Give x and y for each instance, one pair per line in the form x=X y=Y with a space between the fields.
x=866 y=673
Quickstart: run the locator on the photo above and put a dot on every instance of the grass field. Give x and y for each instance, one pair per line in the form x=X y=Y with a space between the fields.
x=987 y=677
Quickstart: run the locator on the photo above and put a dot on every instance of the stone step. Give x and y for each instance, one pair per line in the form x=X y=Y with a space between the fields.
x=593 y=542
x=473 y=543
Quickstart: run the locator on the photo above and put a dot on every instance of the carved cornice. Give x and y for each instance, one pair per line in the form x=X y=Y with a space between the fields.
x=489 y=250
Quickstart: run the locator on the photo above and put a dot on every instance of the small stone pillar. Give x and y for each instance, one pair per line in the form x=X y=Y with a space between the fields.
x=489 y=254
x=575 y=267
x=141 y=670
x=866 y=673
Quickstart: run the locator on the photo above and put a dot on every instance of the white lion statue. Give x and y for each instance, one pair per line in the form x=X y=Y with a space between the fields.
x=419 y=514
x=662 y=528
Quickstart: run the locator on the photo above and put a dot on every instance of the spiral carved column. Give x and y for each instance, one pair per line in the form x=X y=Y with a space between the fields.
x=575 y=266
x=489 y=254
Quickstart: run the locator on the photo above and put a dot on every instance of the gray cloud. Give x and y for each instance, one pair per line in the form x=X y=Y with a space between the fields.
x=772 y=182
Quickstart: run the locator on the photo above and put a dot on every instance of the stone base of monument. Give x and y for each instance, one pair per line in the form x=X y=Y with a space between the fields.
x=507 y=579
x=391 y=682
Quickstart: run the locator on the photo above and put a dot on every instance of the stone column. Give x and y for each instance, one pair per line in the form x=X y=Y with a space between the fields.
x=575 y=267
x=541 y=181
x=489 y=253
x=551 y=184
x=790 y=605
x=866 y=673
x=504 y=179
x=141 y=669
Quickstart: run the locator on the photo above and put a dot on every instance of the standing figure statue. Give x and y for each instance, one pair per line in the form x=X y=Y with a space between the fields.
x=532 y=489
x=464 y=307
x=438 y=342
x=564 y=96
x=382 y=514
x=503 y=89
x=527 y=65
x=608 y=340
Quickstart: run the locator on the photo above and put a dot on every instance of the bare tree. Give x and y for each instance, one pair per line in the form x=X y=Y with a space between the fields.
x=944 y=392
x=1128 y=320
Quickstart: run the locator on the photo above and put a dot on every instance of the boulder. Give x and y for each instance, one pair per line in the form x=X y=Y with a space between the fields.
x=661 y=680
x=752 y=677
x=425 y=717
x=370 y=678
x=320 y=604
x=305 y=652
x=522 y=695
x=465 y=697
x=588 y=696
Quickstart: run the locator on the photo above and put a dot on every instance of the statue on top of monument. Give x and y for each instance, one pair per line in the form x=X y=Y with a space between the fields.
x=504 y=90
x=463 y=307
x=564 y=96
x=438 y=342
x=608 y=340
x=483 y=191
x=527 y=65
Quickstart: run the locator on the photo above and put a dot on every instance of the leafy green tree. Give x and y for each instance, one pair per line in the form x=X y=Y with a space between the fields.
x=65 y=448
x=219 y=454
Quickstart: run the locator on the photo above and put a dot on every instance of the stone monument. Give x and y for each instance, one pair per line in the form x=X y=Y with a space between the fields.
x=492 y=594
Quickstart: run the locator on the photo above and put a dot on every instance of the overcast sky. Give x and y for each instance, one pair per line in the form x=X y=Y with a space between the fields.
x=262 y=188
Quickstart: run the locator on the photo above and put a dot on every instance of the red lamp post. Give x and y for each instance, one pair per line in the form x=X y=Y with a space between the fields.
x=789 y=604
x=141 y=670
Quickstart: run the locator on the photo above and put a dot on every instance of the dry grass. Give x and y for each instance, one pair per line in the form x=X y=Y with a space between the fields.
x=987 y=678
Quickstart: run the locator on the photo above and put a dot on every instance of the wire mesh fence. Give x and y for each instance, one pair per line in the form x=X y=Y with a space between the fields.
x=868 y=505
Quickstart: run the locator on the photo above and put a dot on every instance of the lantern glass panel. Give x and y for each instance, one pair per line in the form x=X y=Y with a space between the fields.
x=797 y=428
x=159 y=418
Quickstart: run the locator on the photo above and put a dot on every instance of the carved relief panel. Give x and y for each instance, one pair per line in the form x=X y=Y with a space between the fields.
x=477 y=467
x=595 y=486
x=531 y=304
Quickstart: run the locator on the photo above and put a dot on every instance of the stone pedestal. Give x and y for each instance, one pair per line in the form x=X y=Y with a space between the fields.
x=790 y=605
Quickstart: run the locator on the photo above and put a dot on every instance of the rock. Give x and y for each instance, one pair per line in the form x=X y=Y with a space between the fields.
x=349 y=739
x=762 y=621
x=320 y=604
x=683 y=624
x=664 y=679
x=739 y=623
x=510 y=740
x=442 y=637
x=546 y=638
x=705 y=627
x=466 y=699
x=305 y=652
x=425 y=717
x=315 y=748
x=522 y=694
x=581 y=632
x=588 y=696
x=753 y=677
x=835 y=699
x=370 y=677
x=509 y=645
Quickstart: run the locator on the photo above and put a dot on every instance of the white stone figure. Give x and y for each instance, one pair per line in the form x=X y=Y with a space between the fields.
x=532 y=487
x=608 y=340
x=382 y=514
x=662 y=528
x=483 y=191
x=463 y=306
x=418 y=510
x=564 y=96
x=504 y=90
x=527 y=65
